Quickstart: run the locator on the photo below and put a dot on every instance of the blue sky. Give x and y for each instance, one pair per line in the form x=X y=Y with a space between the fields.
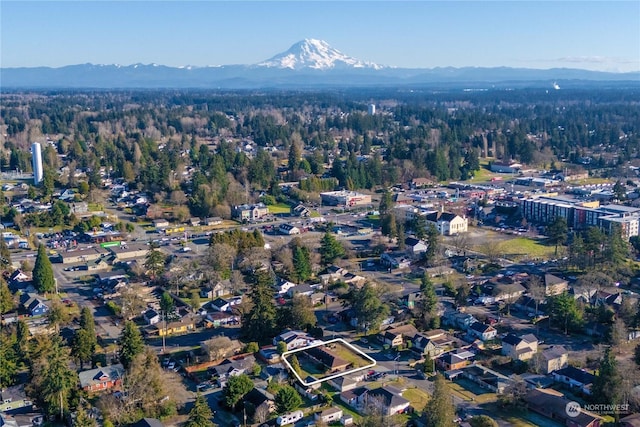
x=535 y=34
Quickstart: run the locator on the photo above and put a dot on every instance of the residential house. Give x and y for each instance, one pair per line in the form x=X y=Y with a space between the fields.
x=103 y=378
x=219 y=289
x=306 y=289
x=396 y=337
x=259 y=398
x=501 y=291
x=250 y=212
x=217 y=319
x=288 y=229
x=186 y=324
x=151 y=316
x=19 y=276
x=34 y=305
x=333 y=273
x=395 y=260
x=30 y=419
x=425 y=346
x=553 y=358
x=232 y=367
x=482 y=331
x=520 y=348
x=295 y=339
x=310 y=391
x=355 y=397
x=388 y=399
x=447 y=223
x=12 y=398
x=194 y=222
x=458 y=319
x=553 y=405
x=220 y=304
x=554 y=285
x=353 y=279
x=330 y=360
x=575 y=378
x=300 y=211
x=328 y=416
x=346 y=382
x=454 y=360
x=486 y=378
x=416 y=248
x=283 y=286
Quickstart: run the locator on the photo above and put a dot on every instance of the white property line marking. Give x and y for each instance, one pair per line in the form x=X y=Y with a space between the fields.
x=338 y=375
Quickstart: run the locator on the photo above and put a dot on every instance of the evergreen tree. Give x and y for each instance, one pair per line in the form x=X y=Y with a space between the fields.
x=330 y=249
x=440 y=411
x=154 y=262
x=258 y=324
x=5 y=255
x=607 y=386
x=52 y=378
x=6 y=298
x=302 y=263
x=43 y=278
x=287 y=399
x=428 y=303
x=83 y=419
x=85 y=340
x=201 y=414
x=557 y=232
x=8 y=361
x=131 y=343
x=433 y=241
x=236 y=388
x=368 y=306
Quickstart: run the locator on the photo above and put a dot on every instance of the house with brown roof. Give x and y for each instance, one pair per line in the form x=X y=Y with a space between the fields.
x=331 y=361
x=553 y=405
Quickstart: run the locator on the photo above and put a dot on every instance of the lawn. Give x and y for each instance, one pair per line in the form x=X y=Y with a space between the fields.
x=522 y=247
x=417 y=397
x=280 y=208
x=467 y=390
x=348 y=355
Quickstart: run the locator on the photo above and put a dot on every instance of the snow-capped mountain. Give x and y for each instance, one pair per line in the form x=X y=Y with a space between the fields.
x=317 y=55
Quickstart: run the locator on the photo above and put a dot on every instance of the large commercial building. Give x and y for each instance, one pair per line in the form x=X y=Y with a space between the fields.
x=582 y=214
x=36 y=162
x=345 y=198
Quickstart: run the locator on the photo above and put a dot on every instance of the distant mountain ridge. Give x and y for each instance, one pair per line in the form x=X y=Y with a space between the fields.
x=309 y=63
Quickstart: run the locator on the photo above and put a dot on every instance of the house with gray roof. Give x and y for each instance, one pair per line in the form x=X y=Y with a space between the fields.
x=102 y=378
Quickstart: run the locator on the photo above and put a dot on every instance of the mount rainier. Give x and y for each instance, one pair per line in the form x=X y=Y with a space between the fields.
x=309 y=63
x=317 y=55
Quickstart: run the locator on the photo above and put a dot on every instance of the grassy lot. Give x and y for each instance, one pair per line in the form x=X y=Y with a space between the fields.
x=467 y=390
x=280 y=208
x=417 y=397
x=94 y=207
x=349 y=355
x=522 y=247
